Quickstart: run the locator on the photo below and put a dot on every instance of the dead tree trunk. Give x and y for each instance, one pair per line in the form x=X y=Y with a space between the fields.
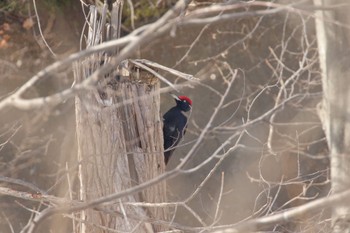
x=120 y=144
x=334 y=42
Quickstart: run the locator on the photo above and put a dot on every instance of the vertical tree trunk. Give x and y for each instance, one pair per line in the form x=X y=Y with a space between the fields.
x=120 y=144
x=334 y=42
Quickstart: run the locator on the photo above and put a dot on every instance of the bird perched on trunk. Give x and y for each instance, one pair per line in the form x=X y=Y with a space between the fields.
x=175 y=124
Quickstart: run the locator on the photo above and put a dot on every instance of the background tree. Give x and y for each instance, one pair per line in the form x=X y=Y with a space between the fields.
x=332 y=38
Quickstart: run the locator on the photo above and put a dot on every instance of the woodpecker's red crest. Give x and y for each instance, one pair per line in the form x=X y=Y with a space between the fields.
x=185 y=98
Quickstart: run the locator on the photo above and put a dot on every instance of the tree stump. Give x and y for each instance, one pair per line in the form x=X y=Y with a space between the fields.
x=120 y=139
x=120 y=145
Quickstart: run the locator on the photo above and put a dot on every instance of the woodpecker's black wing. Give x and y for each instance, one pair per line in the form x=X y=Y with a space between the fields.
x=174 y=127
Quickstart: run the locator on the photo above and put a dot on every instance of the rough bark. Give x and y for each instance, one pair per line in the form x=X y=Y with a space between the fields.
x=120 y=144
x=334 y=41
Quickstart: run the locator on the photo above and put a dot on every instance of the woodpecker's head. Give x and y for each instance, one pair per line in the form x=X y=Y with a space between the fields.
x=183 y=102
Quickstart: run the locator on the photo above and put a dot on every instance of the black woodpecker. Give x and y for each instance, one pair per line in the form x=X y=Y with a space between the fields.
x=175 y=124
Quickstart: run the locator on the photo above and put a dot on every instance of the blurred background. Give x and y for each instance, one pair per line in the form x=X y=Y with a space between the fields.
x=267 y=148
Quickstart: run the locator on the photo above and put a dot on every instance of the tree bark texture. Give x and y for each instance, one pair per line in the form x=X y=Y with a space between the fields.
x=333 y=36
x=119 y=147
x=120 y=144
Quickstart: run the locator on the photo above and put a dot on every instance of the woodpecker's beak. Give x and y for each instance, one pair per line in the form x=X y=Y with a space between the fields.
x=175 y=97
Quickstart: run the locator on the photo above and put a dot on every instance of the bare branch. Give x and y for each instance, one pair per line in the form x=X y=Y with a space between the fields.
x=287 y=215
